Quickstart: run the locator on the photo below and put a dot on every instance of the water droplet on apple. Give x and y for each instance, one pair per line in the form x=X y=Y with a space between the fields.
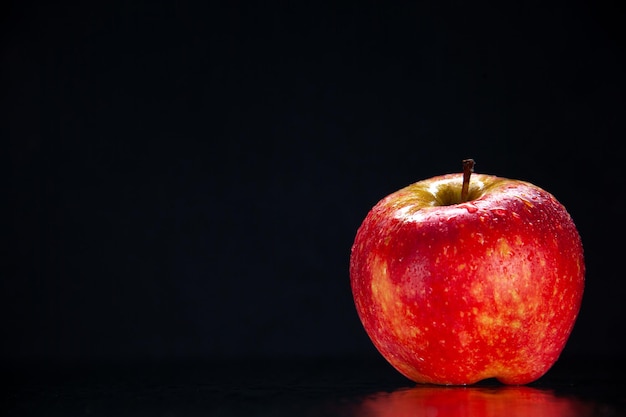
x=471 y=208
x=499 y=211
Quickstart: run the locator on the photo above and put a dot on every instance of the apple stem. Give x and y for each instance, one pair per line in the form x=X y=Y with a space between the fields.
x=468 y=168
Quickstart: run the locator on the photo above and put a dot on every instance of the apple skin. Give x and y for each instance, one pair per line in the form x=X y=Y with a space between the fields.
x=455 y=292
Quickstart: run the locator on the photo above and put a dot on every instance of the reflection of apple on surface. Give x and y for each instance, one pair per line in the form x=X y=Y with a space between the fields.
x=459 y=279
x=430 y=401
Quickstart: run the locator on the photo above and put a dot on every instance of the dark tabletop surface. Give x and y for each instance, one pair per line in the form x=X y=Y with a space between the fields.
x=292 y=387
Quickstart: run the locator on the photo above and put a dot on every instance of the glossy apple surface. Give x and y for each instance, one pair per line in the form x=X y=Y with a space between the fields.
x=454 y=292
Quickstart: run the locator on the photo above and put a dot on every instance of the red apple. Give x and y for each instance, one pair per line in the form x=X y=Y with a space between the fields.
x=459 y=279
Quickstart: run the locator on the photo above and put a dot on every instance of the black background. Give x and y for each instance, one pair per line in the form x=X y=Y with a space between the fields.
x=186 y=179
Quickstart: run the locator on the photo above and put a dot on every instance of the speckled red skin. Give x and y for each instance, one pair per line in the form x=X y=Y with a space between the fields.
x=453 y=294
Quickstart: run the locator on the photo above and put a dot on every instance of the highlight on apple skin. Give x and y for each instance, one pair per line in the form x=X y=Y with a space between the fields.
x=459 y=279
